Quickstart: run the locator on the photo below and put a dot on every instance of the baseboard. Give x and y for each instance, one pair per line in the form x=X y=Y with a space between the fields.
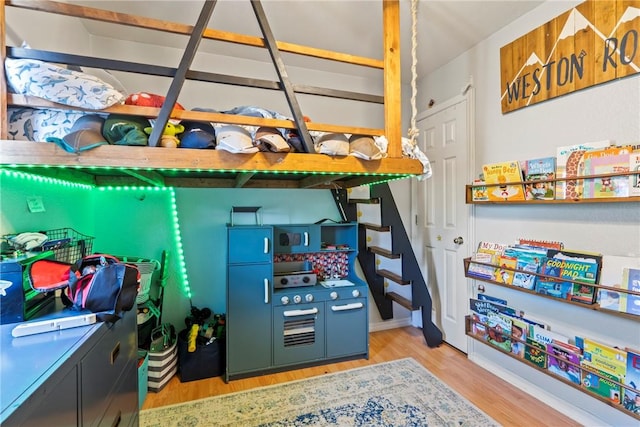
x=539 y=393
x=389 y=324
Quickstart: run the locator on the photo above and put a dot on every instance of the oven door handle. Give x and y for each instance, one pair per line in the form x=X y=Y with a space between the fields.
x=295 y=313
x=352 y=306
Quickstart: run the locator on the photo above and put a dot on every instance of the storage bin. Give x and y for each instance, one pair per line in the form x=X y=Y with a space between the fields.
x=146 y=267
x=143 y=376
x=163 y=356
x=206 y=362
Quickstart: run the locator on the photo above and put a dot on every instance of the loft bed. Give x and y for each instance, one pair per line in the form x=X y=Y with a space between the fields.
x=120 y=165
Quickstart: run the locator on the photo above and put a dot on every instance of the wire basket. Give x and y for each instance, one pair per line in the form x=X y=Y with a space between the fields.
x=67 y=244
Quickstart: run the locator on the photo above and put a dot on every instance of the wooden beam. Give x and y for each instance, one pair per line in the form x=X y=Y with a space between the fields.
x=392 y=77
x=149 y=177
x=243 y=178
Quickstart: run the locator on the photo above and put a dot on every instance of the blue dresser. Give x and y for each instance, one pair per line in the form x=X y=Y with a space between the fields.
x=84 y=376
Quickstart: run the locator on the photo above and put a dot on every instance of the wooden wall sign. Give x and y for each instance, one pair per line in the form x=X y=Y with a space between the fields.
x=593 y=43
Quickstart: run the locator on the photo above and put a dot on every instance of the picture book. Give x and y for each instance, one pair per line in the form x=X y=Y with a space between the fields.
x=499 y=330
x=519 y=330
x=634 y=179
x=529 y=260
x=486 y=307
x=492 y=248
x=548 y=285
x=563 y=363
x=631 y=398
x=631 y=282
x=534 y=352
x=583 y=267
x=507 y=269
x=479 y=191
x=485 y=297
x=612 y=160
x=544 y=336
x=479 y=326
x=568 y=164
x=611 y=275
x=540 y=170
x=509 y=177
x=604 y=357
x=543 y=244
x=602 y=383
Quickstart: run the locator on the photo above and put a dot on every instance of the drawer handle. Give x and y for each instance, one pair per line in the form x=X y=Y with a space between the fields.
x=294 y=313
x=266 y=245
x=115 y=352
x=116 y=422
x=306 y=238
x=352 y=306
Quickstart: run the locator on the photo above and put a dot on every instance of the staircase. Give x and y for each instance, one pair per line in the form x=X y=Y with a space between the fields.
x=391 y=252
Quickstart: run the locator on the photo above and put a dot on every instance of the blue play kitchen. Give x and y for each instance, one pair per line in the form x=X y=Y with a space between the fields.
x=293 y=297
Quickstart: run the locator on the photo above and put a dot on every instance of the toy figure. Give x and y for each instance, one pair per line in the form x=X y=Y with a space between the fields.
x=168 y=138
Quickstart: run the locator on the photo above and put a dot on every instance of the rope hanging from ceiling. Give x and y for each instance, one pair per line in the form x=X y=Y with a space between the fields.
x=413 y=130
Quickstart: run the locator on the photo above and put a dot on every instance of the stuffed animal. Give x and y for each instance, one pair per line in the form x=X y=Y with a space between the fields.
x=168 y=138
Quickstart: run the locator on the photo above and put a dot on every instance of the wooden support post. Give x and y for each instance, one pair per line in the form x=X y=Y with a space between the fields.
x=392 y=77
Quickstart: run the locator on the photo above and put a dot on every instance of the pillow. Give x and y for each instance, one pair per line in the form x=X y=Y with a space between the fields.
x=61 y=85
x=35 y=124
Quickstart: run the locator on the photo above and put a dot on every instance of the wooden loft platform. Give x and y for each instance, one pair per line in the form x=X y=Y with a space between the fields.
x=110 y=165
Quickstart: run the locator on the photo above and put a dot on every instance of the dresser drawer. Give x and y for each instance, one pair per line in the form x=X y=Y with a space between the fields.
x=123 y=407
x=103 y=366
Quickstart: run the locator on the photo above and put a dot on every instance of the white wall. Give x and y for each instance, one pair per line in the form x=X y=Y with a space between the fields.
x=609 y=111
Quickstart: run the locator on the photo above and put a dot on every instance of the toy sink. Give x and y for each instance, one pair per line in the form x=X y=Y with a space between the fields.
x=336 y=283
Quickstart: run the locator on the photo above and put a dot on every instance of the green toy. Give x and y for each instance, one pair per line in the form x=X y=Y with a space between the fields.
x=168 y=138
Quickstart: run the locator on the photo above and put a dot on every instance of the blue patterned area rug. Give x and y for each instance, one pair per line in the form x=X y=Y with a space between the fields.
x=397 y=393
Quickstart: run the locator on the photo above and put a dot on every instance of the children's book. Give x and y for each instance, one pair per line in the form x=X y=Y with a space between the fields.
x=529 y=260
x=479 y=326
x=486 y=297
x=499 y=330
x=563 y=362
x=519 y=330
x=568 y=164
x=611 y=275
x=534 y=353
x=553 y=287
x=602 y=383
x=545 y=336
x=631 y=282
x=492 y=248
x=509 y=177
x=479 y=191
x=604 y=357
x=634 y=179
x=488 y=253
x=583 y=267
x=486 y=307
x=507 y=269
x=540 y=170
x=606 y=161
x=631 y=398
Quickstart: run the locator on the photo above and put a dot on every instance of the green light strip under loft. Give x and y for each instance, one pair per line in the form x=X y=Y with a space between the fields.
x=43 y=179
x=13 y=174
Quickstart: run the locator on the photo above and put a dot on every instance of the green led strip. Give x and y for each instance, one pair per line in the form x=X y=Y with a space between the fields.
x=173 y=208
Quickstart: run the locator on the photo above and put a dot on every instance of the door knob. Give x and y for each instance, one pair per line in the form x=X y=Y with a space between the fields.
x=458 y=240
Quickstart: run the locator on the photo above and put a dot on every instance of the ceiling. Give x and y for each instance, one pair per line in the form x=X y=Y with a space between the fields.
x=445 y=28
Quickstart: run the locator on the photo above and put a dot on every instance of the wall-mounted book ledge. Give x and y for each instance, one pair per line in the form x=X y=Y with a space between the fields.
x=595 y=306
x=539 y=358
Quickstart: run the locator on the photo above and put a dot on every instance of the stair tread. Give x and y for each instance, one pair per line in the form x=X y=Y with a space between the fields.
x=393 y=276
x=384 y=252
x=375 y=227
x=403 y=301
x=374 y=201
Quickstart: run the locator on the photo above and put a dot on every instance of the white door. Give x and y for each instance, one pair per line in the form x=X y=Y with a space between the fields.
x=442 y=217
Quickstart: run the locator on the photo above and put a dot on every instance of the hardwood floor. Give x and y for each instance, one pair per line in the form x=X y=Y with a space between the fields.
x=506 y=404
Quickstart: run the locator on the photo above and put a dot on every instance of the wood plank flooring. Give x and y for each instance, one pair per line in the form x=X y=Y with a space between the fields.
x=506 y=404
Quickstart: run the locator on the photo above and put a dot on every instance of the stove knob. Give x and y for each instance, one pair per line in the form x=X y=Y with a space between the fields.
x=284 y=281
x=308 y=297
x=306 y=279
x=297 y=299
x=333 y=295
x=355 y=293
x=284 y=300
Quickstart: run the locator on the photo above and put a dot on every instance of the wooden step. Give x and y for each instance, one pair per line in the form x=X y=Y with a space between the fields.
x=406 y=303
x=385 y=253
x=369 y=226
x=374 y=201
x=393 y=276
